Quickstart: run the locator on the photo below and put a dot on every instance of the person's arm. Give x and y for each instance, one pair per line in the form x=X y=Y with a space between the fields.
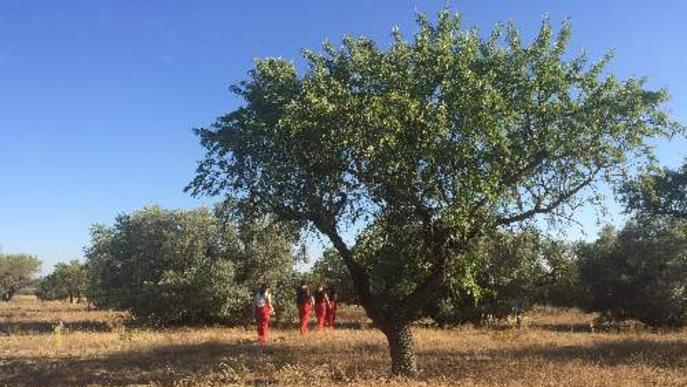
x=268 y=302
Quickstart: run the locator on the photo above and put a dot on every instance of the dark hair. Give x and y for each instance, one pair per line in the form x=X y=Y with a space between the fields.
x=303 y=283
x=263 y=289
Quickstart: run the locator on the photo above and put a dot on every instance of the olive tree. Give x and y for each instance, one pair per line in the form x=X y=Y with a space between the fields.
x=508 y=272
x=68 y=280
x=446 y=133
x=16 y=272
x=658 y=191
x=639 y=272
x=184 y=266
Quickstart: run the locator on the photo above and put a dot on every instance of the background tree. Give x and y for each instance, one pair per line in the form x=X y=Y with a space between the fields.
x=658 y=191
x=184 y=266
x=447 y=136
x=68 y=280
x=16 y=271
x=638 y=273
x=331 y=271
x=509 y=273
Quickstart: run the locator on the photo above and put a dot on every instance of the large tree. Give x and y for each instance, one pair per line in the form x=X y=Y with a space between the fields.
x=448 y=136
x=16 y=271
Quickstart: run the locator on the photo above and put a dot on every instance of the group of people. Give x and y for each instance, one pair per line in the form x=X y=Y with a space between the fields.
x=323 y=301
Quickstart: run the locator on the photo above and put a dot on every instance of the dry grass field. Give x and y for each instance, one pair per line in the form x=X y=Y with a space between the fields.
x=554 y=348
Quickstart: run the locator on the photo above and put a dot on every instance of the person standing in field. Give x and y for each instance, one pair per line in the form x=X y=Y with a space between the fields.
x=321 y=301
x=304 y=302
x=262 y=305
x=330 y=317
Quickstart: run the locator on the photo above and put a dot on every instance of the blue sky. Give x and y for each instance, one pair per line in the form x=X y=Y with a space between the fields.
x=98 y=98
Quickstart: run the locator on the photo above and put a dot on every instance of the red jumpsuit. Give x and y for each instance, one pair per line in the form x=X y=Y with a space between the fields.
x=320 y=313
x=330 y=319
x=304 y=316
x=262 y=321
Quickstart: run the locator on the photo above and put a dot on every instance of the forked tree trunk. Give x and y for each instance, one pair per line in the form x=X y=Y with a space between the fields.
x=401 y=350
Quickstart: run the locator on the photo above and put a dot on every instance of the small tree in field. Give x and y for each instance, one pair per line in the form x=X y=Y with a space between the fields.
x=68 y=280
x=16 y=271
x=448 y=137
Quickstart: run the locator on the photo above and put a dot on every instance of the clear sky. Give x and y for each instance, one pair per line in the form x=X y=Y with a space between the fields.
x=98 y=98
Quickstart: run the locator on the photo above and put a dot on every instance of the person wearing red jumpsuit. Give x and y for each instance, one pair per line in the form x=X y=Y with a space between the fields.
x=304 y=302
x=262 y=305
x=321 y=301
x=330 y=317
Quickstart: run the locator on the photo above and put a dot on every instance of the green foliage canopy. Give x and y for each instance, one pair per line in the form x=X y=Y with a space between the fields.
x=639 y=272
x=509 y=272
x=16 y=271
x=68 y=280
x=658 y=191
x=183 y=266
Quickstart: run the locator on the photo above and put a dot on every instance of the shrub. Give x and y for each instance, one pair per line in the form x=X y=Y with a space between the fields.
x=509 y=273
x=638 y=273
x=183 y=266
x=68 y=280
x=16 y=272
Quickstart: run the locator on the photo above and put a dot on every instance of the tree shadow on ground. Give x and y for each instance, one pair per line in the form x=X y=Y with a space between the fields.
x=163 y=365
x=569 y=328
x=44 y=326
x=655 y=354
x=290 y=325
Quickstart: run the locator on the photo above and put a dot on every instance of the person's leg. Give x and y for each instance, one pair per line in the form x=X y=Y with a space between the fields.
x=265 y=324
x=259 y=325
x=320 y=311
x=328 y=317
x=303 y=316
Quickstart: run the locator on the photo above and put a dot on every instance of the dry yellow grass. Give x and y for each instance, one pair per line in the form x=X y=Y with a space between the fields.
x=555 y=348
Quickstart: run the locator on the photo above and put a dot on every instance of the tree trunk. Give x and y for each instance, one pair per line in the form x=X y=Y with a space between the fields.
x=10 y=293
x=401 y=350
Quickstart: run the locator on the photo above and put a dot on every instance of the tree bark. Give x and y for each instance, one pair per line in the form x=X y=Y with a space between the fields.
x=401 y=350
x=10 y=293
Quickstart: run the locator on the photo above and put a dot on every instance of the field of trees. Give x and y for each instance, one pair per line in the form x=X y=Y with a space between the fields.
x=437 y=170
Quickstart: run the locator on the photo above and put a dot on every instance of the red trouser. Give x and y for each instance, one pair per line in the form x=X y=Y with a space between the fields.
x=304 y=316
x=330 y=319
x=320 y=313
x=262 y=321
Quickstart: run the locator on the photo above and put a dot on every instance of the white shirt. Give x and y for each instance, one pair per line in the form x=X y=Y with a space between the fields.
x=260 y=300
